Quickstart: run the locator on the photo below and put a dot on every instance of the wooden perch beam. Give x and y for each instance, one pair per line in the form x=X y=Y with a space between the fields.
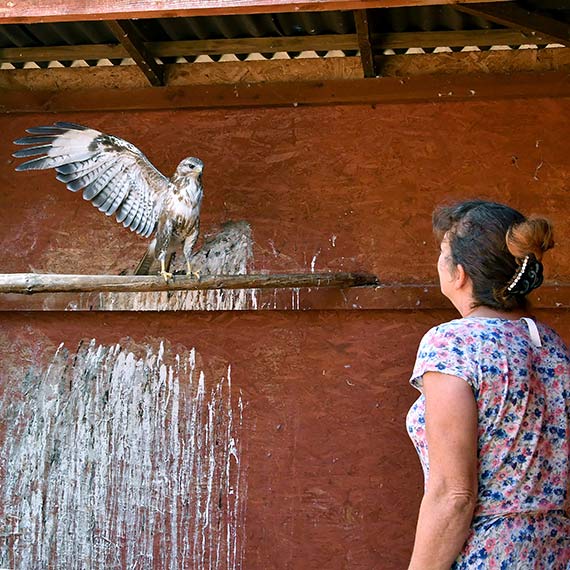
x=29 y=283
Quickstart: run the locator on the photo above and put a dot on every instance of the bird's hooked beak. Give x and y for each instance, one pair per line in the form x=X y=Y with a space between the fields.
x=190 y=168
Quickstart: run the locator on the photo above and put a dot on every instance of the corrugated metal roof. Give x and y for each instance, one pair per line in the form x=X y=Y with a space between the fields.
x=428 y=18
x=382 y=22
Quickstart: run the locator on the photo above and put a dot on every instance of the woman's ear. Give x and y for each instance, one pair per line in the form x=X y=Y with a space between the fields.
x=460 y=278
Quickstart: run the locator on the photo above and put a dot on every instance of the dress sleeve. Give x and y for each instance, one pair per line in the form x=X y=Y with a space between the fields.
x=445 y=349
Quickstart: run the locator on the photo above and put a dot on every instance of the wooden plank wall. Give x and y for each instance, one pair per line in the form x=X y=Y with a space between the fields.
x=329 y=478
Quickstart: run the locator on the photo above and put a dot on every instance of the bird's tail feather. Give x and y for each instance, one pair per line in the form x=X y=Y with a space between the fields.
x=143 y=268
x=145 y=264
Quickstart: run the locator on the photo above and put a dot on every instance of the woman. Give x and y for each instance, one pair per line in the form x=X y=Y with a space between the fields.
x=494 y=410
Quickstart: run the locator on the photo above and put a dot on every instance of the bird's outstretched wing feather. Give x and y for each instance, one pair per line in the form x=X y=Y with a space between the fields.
x=115 y=176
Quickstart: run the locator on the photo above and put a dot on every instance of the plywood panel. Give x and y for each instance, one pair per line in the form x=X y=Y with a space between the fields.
x=331 y=478
x=331 y=188
x=324 y=446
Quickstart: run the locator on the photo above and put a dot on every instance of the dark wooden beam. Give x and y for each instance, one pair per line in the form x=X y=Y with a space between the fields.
x=383 y=90
x=35 y=11
x=365 y=43
x=130 y=38
x=183 y=48
x=459 y=38
x=512 y=15
x=345 y=42
x=63 y=53
x=254 y=45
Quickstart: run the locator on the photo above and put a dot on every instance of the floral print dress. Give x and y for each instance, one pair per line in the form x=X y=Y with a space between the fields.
x=519 y=372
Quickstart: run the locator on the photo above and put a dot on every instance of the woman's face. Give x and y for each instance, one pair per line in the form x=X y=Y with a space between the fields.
x=445 y=268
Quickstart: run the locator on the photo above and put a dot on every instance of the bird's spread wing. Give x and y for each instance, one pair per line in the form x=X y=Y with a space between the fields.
x=115 y=176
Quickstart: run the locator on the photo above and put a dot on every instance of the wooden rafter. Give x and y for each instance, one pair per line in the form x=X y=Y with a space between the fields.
x=383 y=90
x=274 y=44
x=129 y=37
x=34 y=11
x=365 y=43
x=512 y=15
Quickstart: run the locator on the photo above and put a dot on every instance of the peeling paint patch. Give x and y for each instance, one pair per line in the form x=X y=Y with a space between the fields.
x=114 y=460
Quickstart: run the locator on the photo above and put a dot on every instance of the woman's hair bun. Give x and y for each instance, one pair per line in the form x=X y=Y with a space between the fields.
x=533 y=235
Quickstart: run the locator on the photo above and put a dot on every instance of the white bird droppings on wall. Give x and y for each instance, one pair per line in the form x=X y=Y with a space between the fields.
x=114 y=460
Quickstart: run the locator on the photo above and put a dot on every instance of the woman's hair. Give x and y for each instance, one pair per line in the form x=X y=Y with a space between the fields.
x=500 y=250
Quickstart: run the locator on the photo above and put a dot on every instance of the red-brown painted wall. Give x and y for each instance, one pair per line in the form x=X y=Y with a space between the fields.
x=332 y=480
x=301 y=176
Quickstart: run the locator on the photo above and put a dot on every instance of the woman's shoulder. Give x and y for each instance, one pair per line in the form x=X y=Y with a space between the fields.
x=447 y=335
x=466 y=330
x=456 y=327
x=474 y=329
x=551 y=338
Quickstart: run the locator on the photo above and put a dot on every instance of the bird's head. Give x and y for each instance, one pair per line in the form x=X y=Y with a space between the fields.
x=190 y=166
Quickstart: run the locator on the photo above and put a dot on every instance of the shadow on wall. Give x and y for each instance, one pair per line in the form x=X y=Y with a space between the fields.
x=228 y=252
x=121 y=460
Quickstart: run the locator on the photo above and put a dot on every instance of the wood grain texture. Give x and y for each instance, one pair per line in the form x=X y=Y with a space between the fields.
x=325 y=450
x=133 y=43
x=22 y=11
x=395 y=297
x=31 y=283
x=332 y=479
x=382 y=90
x=404 y=66
x=356 y=196
x=399 y=40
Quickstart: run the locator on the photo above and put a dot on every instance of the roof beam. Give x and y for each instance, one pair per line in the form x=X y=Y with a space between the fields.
x=63 y=53
x=36 y=11
x=273 y=45
x=183 y=48
x=512 y=15
x=385 y=90
x=130 y=38
x=365 y=43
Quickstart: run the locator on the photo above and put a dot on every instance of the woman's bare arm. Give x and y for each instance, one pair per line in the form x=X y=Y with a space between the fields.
x=447 y=507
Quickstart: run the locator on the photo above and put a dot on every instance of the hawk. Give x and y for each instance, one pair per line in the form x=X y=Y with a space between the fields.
x=117 y=178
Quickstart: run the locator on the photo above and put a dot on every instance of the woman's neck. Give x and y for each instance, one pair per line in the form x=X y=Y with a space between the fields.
x=489 y=313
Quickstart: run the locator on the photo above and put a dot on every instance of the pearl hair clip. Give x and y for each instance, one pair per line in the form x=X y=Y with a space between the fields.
x=519 y=274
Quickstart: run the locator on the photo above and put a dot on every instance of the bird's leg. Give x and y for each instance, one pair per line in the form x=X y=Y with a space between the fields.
x=189 y=271
x=165 y=274
x=189 y=243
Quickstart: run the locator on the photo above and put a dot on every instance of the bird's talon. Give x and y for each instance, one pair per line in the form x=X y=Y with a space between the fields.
x=190 y=273
x=167 y=276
